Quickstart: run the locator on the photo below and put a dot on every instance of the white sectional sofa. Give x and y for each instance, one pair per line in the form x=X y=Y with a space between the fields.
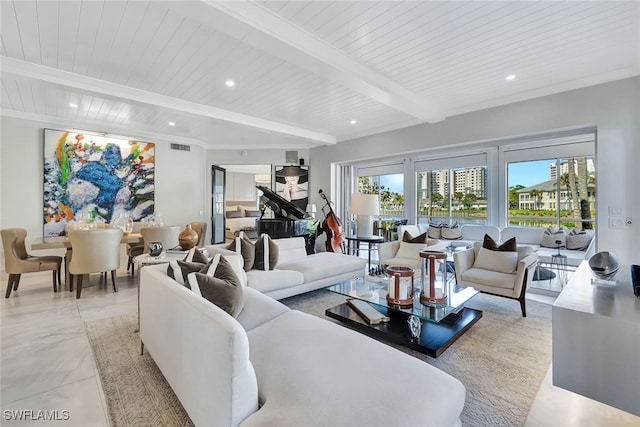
x=296 y=272
x=272 y=366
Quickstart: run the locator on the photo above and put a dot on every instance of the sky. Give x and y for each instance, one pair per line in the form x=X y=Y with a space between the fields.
x=394 y=183
x=528 y=173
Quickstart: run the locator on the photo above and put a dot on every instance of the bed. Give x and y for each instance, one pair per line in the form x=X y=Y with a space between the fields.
x=240 y=216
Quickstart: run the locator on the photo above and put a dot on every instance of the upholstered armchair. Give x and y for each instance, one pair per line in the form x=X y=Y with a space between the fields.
x=17 y=261
x=167 y=235
x=404 y=254
x=201 y=229
x=94 y=251
x=493 y=277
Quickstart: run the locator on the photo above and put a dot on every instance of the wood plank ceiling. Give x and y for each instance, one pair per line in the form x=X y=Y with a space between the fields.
x=303 y=69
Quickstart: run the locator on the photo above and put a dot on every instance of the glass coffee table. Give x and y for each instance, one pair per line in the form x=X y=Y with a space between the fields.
x=440 y=325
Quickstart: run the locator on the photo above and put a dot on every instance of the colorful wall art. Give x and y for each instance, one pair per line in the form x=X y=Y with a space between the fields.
x=95 y=179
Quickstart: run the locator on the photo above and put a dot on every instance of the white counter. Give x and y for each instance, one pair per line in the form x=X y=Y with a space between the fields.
x=596 y=340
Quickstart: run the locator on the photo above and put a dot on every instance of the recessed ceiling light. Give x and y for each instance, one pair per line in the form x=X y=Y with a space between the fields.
x=230 y=83
x=73 y=105
x=510 y=77
x=172 y=123
x=353 y=122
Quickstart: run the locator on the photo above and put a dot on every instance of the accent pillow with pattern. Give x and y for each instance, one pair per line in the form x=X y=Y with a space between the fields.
x=434 y=231
x=245 y=247
x=451 y=232
x=266 y=253
x=219 y=285
x=551 y=234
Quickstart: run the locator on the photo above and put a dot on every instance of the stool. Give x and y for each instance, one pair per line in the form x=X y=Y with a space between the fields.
x=559 y=263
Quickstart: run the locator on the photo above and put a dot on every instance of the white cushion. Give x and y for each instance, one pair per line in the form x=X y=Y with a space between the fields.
x=259 y=309
x=266 y=281
x=290 y=249
x=501 y=261
x=410 y=250
x=323 y=265
x=490 y=278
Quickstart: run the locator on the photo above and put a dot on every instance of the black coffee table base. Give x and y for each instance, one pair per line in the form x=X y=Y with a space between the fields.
x=434 y=339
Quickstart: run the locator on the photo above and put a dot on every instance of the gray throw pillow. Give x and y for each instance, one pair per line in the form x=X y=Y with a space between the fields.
x=434 y=231
x=222 y=289
x=550 y=235
x=578 y=240
x=267 y=253
x=235 y=214
x=179 y=270
x=508 y=246
x=407 y=237
x=195 y=255
x=244 y=246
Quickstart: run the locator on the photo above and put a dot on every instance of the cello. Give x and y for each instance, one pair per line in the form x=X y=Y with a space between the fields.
x=332 y=225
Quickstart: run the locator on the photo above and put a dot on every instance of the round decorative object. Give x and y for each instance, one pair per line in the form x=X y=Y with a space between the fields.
x=125 y=223
x=604 y=265
x=188 y=238
x=155 y=248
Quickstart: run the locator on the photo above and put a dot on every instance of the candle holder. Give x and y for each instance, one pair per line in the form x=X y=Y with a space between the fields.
x=434 y=278
x=400 y=291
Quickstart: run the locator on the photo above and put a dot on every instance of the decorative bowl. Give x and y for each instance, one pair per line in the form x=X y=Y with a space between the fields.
x=604 y=265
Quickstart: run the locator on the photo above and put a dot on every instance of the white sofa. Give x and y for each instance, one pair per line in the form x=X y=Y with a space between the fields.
x=273 y=366
x=296 y=272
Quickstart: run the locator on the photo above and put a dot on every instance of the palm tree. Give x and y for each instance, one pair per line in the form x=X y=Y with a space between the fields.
x=536 y=194
x=458 y=196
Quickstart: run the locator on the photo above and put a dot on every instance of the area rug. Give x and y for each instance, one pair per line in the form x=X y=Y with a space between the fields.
x=501 y=360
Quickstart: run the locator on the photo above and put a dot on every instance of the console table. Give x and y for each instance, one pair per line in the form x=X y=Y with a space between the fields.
x=596 y=340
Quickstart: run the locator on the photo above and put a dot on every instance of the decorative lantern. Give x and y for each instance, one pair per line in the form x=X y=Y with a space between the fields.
x=434 y=277
x=400 y=292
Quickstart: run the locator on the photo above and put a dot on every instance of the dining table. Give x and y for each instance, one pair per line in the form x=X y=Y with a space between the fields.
x=63 y=242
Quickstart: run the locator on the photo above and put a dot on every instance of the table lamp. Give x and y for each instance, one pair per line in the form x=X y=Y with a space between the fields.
x=311 y=210
x=365 y=207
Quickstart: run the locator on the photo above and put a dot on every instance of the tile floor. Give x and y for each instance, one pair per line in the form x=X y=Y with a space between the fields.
x=46 y=361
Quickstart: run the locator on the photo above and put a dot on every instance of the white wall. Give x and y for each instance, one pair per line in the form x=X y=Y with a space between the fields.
x=614 y=108
x=180 y=180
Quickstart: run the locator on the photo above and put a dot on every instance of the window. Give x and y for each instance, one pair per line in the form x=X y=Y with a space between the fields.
x=552 y=191
x=390 y=189
x=454 y=194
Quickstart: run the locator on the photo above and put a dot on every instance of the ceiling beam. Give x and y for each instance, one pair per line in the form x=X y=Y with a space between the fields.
x=281 y=38
x=90 y=84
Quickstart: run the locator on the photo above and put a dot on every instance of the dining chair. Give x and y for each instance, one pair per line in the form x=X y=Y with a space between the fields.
x=167 y=235
x=17 y=261
x=135 y=249
x=201 y=229
x=94 y=251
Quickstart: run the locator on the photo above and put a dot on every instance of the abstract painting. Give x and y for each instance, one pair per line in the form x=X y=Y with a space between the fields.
x=96 y=178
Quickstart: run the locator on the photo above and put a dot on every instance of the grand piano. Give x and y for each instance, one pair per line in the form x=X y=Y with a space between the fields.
x=289 y=221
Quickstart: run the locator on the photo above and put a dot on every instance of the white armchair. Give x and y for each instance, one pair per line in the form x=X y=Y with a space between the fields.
x=399 y=253
x=510 y=285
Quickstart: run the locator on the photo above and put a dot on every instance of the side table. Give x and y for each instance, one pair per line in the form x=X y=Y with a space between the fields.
x=353 y=245
x=559 y=264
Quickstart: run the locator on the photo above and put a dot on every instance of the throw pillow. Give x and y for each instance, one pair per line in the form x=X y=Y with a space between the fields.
x=244 y=247
x=194 y=255
x=235 y=214
x=451 y=232
x=410 y=250
x=578 y=240
x=252 y=214
x=500 y=261
x=407 y=237
x=550 y=235
x=267 y=253
x=434 y=231
x=508 y=246
x=222 y=288
x=179 y=270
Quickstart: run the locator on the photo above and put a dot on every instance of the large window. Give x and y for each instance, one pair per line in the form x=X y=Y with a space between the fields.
x=390 y=189
x=453 y=194
x=554 y=191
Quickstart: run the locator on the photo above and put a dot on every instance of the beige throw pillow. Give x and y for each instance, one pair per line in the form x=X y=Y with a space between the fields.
x=550 y=235
x=410 y=250
x=434 y=230
x=500 y=261
x=451 y=232
x=578 y=240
